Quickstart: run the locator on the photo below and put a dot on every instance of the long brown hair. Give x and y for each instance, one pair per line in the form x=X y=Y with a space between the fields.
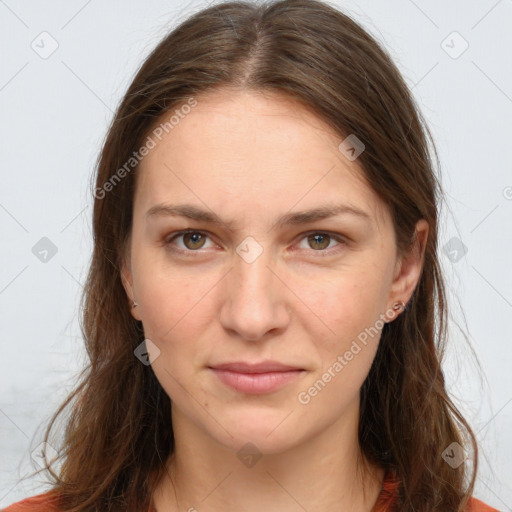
x=118 y=435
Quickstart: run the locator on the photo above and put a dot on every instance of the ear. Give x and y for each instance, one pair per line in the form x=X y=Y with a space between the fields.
x=409 y=267
x=127 y=280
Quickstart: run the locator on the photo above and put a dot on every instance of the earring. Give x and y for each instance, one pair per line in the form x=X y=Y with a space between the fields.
x=134 y=304
x=399 y=306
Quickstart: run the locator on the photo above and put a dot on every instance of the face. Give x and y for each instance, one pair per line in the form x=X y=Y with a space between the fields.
x=255 y=278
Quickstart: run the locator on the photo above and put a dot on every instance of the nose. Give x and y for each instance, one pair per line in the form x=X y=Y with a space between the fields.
x=255 y=301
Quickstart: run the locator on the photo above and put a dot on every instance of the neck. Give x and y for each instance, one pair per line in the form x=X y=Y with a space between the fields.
x=327 y=472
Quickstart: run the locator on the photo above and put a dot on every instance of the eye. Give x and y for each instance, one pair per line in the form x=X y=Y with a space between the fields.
x=320 y=241
x=191 y=241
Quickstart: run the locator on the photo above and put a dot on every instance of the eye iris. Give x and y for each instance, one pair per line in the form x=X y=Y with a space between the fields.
x=197 y=240
x=318 y=239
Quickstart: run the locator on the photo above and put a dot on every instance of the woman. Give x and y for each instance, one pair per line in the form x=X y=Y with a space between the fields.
x=260 y=311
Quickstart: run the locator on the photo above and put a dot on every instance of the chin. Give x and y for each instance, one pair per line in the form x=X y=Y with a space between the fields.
x=269 y=434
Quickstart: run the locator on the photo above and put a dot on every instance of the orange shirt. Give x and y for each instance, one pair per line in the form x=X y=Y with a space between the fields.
x=47 y=503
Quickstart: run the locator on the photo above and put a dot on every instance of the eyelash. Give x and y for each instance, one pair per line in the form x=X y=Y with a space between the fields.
x=189 y=252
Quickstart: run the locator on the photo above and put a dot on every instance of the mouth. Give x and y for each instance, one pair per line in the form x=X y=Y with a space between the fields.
x=258 y=378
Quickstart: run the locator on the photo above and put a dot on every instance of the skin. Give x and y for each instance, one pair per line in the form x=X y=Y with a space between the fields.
x=251 y=157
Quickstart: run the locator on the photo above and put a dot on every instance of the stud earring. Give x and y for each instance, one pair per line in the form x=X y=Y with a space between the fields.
x=134 y=304
x=399 y=306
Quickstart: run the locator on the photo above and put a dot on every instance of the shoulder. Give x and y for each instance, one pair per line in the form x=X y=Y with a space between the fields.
x=46 y=502
x=475 y=505
x=389 y=493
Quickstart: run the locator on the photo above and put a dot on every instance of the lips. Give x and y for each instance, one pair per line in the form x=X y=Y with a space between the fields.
x=256 y=378
x=262 y=367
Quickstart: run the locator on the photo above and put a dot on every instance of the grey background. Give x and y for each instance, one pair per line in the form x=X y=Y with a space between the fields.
x=55 y=112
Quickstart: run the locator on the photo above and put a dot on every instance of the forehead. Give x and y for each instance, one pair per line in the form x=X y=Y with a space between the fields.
x=253 y=150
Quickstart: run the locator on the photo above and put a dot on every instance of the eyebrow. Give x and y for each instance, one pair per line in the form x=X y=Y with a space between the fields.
x=294 y=218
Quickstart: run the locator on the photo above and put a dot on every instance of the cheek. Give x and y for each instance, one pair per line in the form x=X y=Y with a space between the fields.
x=175 y=310
x=344 y=306
x=350 y=307
x=171 y=299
